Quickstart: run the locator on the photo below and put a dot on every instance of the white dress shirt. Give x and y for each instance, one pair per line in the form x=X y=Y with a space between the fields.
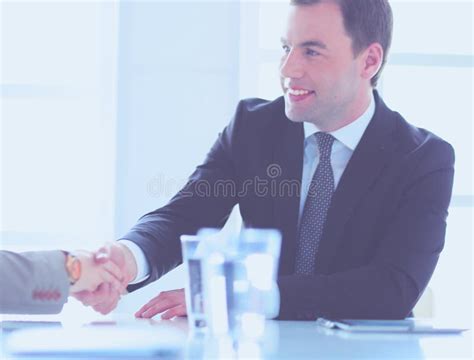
x=346 y=140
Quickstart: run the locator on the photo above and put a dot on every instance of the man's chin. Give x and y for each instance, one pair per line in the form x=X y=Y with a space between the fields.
x=294 y=117
x=295 y=120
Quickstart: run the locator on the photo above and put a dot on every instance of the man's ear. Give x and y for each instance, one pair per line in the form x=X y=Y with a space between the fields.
x=371 y=60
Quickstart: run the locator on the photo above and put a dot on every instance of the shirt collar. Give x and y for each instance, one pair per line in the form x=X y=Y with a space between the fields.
x=350 y=134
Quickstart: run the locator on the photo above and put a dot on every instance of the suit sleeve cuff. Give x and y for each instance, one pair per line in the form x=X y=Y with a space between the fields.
x=143 y=268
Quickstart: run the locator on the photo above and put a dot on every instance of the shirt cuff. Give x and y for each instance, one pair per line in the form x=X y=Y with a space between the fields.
x=143 y=268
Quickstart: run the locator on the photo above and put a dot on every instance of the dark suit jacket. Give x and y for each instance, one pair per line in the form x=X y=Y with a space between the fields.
x=384 y=230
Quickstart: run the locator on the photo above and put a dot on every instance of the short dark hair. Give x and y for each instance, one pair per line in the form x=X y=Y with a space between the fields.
x=366 y=22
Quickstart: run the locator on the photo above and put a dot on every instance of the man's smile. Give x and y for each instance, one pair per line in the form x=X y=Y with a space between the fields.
x=296 y=94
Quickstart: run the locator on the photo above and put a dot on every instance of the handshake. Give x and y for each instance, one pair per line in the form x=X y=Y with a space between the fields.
x=104 y=276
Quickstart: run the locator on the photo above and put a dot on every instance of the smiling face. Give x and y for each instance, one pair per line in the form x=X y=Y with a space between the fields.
x=322 y=81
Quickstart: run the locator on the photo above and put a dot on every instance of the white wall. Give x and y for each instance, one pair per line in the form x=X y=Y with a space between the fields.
x=178 y=87
x=58 y=119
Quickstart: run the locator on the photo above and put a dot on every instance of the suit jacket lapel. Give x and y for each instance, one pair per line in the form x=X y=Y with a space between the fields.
x=363 y=169
x=288 y=149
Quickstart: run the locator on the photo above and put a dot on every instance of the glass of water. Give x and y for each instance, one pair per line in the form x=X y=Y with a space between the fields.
x=240 y=284
x=194 y=250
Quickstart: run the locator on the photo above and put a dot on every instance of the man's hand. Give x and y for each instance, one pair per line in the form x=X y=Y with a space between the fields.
x=105 y=298
x=95 y=271
x=173 y=302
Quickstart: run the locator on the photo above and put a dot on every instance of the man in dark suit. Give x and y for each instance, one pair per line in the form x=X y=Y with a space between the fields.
x=359 y=194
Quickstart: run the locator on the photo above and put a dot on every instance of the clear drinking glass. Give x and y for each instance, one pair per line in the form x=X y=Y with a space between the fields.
x=240 y=284
x=194 y=250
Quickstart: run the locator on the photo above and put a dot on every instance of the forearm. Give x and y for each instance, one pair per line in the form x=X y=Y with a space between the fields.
x=377 y=291
x=158 y=233
x=159 y=247
x=33 y=282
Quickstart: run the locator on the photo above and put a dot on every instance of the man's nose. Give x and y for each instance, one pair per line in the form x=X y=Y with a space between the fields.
x=291 y=67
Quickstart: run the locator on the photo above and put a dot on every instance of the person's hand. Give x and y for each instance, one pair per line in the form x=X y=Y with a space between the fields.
x=173 y=302
x=96 y=270
x=105 y=298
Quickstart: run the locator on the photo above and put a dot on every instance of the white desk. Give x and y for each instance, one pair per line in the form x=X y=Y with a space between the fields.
x=304 y=340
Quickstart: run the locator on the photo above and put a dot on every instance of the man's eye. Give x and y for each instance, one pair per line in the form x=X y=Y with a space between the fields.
x=286 y=49
x=311 y=52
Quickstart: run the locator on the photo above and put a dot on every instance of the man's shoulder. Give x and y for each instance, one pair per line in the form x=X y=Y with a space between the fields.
x=408 y=136
x=260 y=115
x=262 y=106
x=259 y=104
x=413 y=139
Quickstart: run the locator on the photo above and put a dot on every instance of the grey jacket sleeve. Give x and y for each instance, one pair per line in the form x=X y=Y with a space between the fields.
x=33 y=282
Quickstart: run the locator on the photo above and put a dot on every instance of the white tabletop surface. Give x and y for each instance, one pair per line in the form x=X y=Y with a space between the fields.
x=283 y=340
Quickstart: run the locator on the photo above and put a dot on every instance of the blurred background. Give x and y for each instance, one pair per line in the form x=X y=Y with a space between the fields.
x=107 y=107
